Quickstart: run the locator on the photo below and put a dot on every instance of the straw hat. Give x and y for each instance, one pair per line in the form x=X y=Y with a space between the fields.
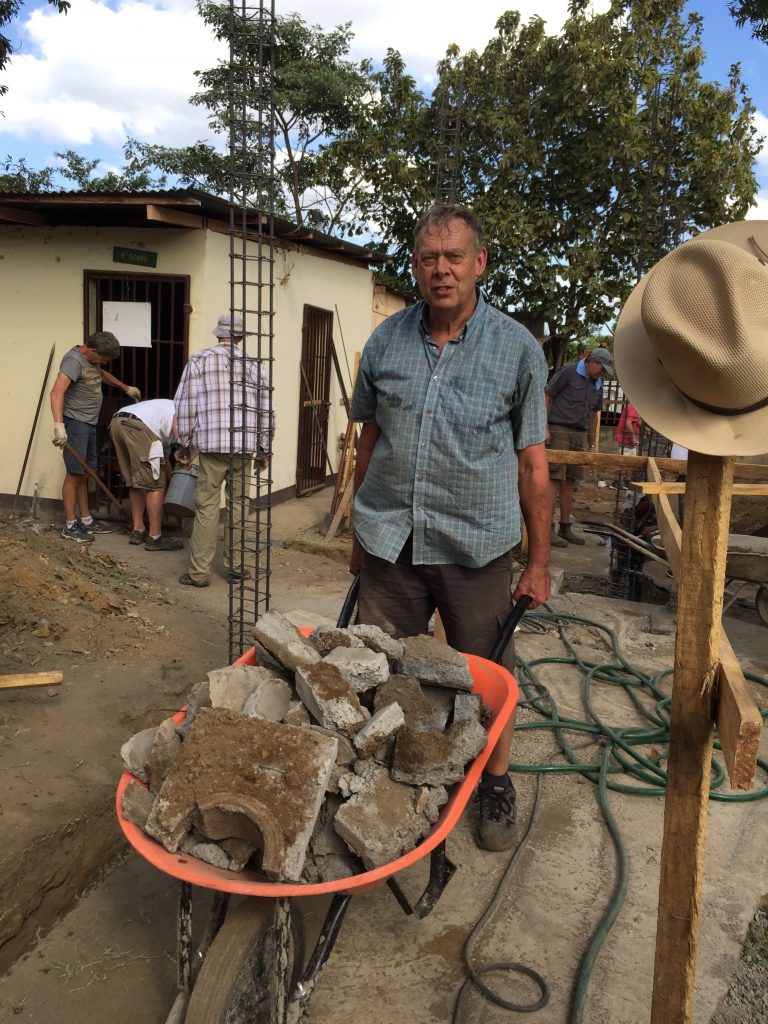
x=691 y=344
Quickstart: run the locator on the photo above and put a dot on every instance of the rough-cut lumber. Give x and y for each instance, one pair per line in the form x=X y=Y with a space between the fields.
x=701 y=581
x=739 y=723
x=678 y=487
x=19 y=679
x=639 y=463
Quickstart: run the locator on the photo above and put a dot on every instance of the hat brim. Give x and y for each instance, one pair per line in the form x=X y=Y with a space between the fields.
x=231 y=334
x=647 y=385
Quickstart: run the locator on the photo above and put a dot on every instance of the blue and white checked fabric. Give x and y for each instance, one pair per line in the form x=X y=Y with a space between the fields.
x=445 y=465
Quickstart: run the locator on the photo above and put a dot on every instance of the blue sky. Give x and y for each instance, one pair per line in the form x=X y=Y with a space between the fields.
x=116 y=67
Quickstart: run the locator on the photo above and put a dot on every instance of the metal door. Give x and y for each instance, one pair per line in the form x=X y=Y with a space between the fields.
x=314 y=400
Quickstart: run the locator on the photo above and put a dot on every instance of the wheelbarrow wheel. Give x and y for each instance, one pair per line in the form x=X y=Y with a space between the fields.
x=252 y=966
x=761 y=603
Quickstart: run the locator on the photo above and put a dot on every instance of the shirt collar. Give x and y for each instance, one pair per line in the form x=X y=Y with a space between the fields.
x=477 y=316
x=581 y=370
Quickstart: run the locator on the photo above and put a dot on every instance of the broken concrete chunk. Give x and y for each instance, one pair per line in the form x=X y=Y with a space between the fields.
x=467 y=706
x=378 y=729
x=164 y=752
x=346 y=753
x=432 y=661
x=231 y=687
x=437 y=758
x=239 y=852
x=362 y=668
x=442 y=706
x=271 y=700
x=329 y=698
x=136 y=751
x=327 y=638
x=283 y=641
x=211 y=853
x=136 y=804
x=380 y=822
x=377 y=640
x=250 y=779
x=408 y=693
x=296 y=714
x=199 y=697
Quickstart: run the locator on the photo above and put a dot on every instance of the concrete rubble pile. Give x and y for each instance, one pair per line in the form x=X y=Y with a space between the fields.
x=330 y=757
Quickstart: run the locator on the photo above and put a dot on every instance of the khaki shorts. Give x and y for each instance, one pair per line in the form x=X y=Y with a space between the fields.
x=132 y=440
x=567 y=440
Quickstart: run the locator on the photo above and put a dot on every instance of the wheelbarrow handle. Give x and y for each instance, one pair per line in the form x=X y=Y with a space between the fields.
x=499 y=647
x=517 y=612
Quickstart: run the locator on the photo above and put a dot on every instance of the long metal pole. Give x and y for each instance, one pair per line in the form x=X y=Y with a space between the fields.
x=34 y=426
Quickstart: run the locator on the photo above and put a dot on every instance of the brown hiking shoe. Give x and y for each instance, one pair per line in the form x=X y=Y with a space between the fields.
x=495 y=817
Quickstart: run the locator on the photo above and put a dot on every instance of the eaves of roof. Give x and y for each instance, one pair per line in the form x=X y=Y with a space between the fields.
x=167 y=208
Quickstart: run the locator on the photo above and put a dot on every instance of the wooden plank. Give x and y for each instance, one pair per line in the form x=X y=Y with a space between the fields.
x=23 y=679
x=341 y=510
x=639 y=463
x=686 y=805
x=18 y=216
x=176 y=218
x=678 y=487
x=739 y=722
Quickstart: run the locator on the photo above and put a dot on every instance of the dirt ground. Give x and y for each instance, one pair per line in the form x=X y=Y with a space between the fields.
x=131 y=643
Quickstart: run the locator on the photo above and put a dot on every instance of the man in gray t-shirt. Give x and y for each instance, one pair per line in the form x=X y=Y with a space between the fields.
x=75 y=403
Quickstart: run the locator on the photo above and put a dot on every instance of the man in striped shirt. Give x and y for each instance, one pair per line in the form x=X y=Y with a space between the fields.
x=451 y=397
x=223 y=407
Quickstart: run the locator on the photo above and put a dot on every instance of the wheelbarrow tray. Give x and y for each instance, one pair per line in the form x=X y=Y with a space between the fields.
x=747 y=558
x=499 y=691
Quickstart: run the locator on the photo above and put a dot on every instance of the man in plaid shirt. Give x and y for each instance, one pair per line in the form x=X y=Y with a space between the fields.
x=209 y=421
x=451 y=397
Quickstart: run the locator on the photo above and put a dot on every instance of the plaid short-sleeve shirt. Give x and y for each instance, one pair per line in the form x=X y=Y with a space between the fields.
x=445 y=465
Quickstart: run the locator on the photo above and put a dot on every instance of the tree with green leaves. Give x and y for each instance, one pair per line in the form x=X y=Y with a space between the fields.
x=9 y=11
x=753 y=11
x=316 y=89
x=17 y=176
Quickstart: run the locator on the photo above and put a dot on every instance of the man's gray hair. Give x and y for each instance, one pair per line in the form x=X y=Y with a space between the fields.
x=104 y=343
x=439 y=217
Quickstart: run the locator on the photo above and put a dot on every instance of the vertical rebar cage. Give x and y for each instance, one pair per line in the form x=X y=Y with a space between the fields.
x=251 y=258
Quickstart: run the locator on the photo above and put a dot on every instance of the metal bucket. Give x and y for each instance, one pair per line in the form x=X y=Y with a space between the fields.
x=180 y=496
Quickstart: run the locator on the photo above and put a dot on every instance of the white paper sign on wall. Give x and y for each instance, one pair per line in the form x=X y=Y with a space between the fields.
x=130 y=322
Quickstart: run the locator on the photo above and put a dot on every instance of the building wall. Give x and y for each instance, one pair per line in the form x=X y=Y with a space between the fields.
x=41 y=298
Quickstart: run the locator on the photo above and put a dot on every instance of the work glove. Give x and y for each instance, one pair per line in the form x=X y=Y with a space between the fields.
x=59 y=435
x=133 y=393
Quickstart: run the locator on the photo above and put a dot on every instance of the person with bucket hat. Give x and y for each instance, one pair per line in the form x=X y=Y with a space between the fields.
x=142 y=436
x=574 y=399
x=204 y=416
x=692 y=342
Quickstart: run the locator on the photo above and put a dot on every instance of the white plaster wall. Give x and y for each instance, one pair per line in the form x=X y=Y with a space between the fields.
x=41 y=303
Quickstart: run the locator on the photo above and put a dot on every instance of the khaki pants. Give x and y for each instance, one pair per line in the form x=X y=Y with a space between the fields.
x=212 y=473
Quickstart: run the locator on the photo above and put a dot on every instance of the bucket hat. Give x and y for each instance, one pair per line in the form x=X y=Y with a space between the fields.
x=230 y=326
x=691 y=343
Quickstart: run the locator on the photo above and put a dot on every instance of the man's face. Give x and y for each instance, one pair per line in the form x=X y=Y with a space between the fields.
x=593 y=368
x=446 y=266
x=94 y=358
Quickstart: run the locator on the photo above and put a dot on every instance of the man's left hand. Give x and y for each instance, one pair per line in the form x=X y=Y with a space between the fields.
x=534 y=581
x=133 y=393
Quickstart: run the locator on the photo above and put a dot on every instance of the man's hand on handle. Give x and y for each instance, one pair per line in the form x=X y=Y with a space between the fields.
x=534 y=581
x=356 y=560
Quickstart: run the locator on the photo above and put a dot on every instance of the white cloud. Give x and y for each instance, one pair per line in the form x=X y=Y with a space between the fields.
x=760 y=210
x=123 y=67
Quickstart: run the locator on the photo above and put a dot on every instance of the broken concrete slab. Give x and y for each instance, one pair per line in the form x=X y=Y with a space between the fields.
x=377 y=640
x=250 y=779
x=137 y=804
x=329 y=698
x=363 y=668
x=407 y=691
x=442 y=706
x=296 y=714
x=283 y=641
x=232 y=686
x=199 y=697
x=378 y=729
x=211 y=853
x=380 y=822
x=327 y=638
x=136 y=752
x=271 y=700
x=437 y=758
x=164 y=752
x=467 y=706
x=433 y=661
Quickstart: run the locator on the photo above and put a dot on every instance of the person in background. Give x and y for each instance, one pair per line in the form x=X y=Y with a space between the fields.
x=203 y=411
x=142 y=436
x=574 y=399
x=627 y=437
x=76 y=399
x=450 y=395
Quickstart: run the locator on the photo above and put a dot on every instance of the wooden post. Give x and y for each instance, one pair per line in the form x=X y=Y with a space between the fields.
x=700 y=606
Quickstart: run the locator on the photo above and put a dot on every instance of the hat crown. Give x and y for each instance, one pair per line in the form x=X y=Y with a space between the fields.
x=705 y=310
x=229 y=326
